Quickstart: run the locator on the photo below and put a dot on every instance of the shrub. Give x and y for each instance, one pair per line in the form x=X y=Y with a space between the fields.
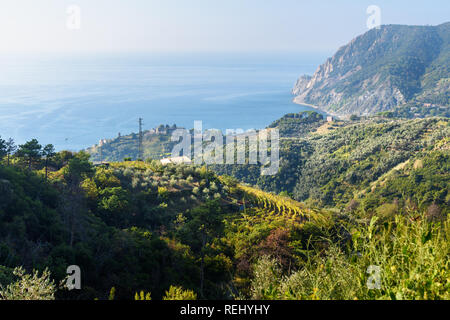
x=265 y=284
x=163 y=192
x=178 y=293
x=412 y=257
x=29 y=286
x=143 y=296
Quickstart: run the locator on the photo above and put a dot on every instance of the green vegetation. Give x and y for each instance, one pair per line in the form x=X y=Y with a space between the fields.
x=414 y=109
x=374 y=192
x=373 y=162
x=413 y=257
x=298 y=124
x=177 y=293
x=119 y=224
x=29 y=287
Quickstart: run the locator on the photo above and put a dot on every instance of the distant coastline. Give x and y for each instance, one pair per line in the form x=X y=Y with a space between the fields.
x=99 y=96
x=316 y=107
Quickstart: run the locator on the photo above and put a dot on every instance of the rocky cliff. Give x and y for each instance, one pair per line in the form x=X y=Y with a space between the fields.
x=382 y=69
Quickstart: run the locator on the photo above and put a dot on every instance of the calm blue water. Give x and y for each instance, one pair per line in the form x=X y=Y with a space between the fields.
x=73 y=101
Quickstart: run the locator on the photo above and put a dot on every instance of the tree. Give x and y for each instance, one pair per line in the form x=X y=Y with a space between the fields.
x=48 y=152
x=73 y=204
x=78 y=168
x=205 y=224
x=10 y=149
x=276 y=245
x=2 y=148
x=31 y=151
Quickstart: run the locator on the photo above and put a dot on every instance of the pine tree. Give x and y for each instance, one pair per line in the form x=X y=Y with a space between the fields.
x=48 y=152
x=31 y=151
x=10 y=149
x=2 y=148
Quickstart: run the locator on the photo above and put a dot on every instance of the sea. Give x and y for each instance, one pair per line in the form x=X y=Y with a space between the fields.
x=74 y=100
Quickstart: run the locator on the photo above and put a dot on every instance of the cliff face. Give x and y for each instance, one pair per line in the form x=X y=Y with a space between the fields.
x=380 y=70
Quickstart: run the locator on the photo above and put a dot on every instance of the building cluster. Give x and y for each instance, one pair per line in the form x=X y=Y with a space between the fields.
x=162 y=129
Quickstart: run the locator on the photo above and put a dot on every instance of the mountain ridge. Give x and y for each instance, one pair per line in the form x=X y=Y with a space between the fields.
x=381 y=70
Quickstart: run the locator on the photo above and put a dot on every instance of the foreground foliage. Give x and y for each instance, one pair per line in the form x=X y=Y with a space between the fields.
x=143 y=230
x=412 y=257
x=29 y=286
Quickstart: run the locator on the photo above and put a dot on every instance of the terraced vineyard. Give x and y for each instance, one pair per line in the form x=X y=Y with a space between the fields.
x=281 y=206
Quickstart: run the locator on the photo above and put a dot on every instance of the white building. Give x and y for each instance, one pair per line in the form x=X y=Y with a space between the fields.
x=176 y=160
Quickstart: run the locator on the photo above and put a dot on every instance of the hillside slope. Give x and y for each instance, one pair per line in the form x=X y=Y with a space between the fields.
x=135 y=226
x=141 y=227
x=377 y=186
x=156 y=145
x=372 y=161
x=334 y=163
x=383 y=69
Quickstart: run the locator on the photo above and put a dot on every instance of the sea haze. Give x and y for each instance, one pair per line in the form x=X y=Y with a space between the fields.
x=73 y=101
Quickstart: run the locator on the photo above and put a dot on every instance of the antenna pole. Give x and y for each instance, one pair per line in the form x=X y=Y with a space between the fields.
x=141 y=136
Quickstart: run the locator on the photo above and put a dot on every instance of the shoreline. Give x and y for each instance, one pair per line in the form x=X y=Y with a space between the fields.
x=317 y=108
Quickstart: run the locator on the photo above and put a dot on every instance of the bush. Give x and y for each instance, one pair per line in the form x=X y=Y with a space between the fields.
x=178 y=293
x=413 y=257
x=265 y=284
x=29 y=286
x=163 y=192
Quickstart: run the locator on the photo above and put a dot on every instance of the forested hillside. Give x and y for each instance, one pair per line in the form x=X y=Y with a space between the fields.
x=132 y=227
x=375 y=191
x=370 y=162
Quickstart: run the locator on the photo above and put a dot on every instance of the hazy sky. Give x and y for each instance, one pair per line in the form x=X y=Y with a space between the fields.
x=201 y=25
